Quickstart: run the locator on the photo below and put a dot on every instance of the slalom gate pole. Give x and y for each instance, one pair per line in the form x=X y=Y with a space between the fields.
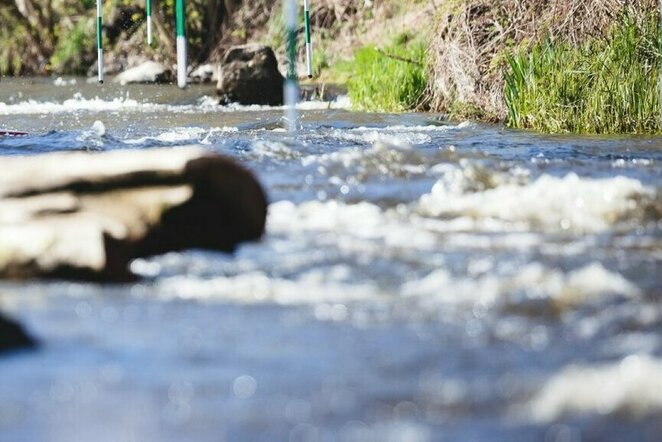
x=148 y=12
x=309 y=46
x=291 y=91
x=99 y=42
x=180 y=25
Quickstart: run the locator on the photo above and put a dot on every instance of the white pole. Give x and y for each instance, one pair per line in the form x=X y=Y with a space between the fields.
x=99 y=42
x=309 y=45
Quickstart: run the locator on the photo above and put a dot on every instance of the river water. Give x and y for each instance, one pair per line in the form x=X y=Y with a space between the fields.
x=419 y=281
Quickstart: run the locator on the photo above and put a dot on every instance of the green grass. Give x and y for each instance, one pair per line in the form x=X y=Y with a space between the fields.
x=70 y=52
x=604 y=85
x=388 y=80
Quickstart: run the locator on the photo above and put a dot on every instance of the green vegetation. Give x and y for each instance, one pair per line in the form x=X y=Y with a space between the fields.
x=70 y=52
x=391 y=80
x=603 y=85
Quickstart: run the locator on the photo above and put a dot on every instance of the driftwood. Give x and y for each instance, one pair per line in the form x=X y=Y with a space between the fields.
x=87 y=215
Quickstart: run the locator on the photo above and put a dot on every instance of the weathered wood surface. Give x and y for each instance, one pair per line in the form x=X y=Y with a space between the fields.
x=87 y=215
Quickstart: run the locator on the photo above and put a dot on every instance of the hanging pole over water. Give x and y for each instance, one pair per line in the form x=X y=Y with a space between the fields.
x=291 y=92
x=180 y=25
x=99 y=42
x=148 y=12
x=309 y=46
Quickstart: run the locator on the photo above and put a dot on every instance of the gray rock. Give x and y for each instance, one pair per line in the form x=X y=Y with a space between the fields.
x=147 y=72
x=87 y=215
x=249 y=75
x=13 y=336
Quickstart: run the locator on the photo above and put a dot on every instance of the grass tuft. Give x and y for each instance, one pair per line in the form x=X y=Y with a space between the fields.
x=389 y=80
x=603 y=85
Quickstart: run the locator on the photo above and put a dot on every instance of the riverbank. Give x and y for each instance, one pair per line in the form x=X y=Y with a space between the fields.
x=555 y=66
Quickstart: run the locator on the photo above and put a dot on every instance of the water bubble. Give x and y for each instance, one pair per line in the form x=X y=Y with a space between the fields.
x=98 y=128
x=244 y=387
x=83 y=309
x=338 y=312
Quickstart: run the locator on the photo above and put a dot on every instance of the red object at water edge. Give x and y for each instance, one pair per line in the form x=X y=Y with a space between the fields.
x=12 y=133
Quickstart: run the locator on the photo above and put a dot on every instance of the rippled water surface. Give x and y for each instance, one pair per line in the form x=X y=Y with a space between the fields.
x=419 y=281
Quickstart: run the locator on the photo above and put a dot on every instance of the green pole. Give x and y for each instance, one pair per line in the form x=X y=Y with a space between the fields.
x=99 y=42
x=148 y=12
x=309 y=46
x=180 y=27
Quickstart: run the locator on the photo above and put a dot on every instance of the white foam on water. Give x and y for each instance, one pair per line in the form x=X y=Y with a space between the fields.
x=350 y=222
x=631 y=387
x=271 y=149
x=257 y=287
x=78 y=103
x=411 y=137
x=396 y=134
x=59 y=81
x=198 y=134
x=389 y=156
x=558 y=203
x=534 y=288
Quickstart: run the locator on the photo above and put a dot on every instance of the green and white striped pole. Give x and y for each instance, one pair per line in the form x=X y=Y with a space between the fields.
x=291 y=90
x=99 y=42
x=148 y=12
x=309 y=46
x=180 y=25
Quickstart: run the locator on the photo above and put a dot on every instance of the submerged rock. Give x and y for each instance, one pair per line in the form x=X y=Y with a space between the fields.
x=12 y=336
x=147 y=72
x=249 y=75
x=87 y=215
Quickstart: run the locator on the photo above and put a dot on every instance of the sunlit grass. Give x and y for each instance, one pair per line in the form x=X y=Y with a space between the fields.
x=391 y=80
x=604 y=85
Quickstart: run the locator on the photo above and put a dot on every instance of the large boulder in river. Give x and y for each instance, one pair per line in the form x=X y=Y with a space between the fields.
x=13 y=336
x=87 y=215
x=249 y=75
x=147 y=72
